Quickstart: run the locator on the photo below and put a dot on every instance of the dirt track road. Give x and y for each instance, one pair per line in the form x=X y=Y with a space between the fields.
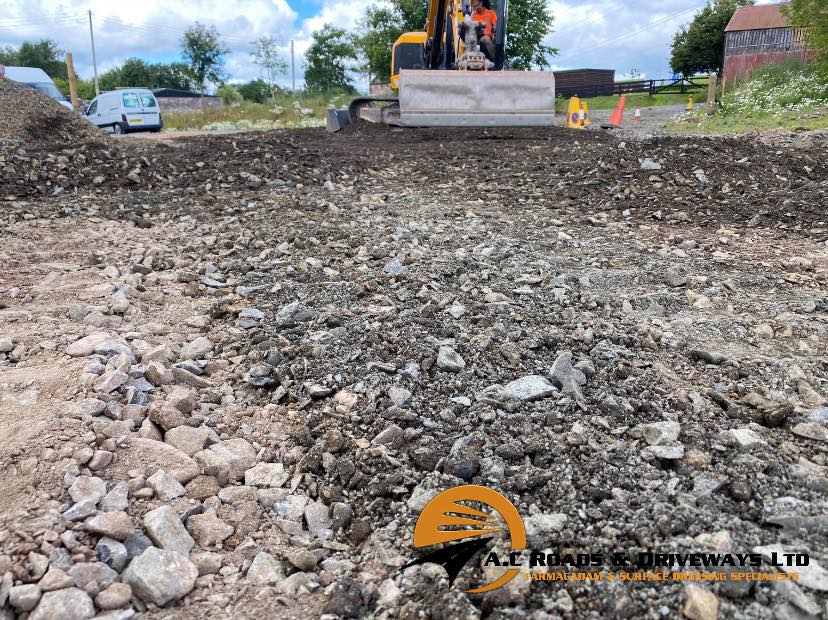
x=312 y=335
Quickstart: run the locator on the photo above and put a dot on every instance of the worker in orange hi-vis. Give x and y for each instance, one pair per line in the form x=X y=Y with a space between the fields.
x=482 y=13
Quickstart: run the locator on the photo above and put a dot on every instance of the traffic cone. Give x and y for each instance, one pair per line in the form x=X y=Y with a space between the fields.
x=690 y=102
x=618 y=115
x=637 y=115
x=584 y=114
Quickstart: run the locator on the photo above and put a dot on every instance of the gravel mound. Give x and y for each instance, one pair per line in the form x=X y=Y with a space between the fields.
x=28 y=117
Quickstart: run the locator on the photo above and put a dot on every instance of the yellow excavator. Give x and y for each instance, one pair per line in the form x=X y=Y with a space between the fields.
x=443 y=79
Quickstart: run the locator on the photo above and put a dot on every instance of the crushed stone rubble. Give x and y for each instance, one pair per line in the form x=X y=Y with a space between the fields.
x=230 y=387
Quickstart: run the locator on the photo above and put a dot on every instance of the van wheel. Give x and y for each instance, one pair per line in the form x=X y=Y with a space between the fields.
x=117 y=129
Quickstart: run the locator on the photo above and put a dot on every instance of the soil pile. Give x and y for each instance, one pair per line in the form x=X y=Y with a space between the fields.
x=29 y=118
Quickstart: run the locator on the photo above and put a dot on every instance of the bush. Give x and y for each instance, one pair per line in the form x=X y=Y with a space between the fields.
x=228 y=94
x=775 y=89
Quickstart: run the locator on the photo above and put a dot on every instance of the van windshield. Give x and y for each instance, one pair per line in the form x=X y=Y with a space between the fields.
x=50 y=90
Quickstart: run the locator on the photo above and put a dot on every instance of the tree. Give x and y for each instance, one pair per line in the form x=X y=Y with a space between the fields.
x=204 y=52
x=266 y=56
x=812 y=17
x=325 y=61
x=380 y=28
x=172 y=75
x=136 y=72
x=529 y=23
x=228 y=94
x=8 y=56
x=44 y=54
x=86 y=88
x=699 y=46
x=255 y=90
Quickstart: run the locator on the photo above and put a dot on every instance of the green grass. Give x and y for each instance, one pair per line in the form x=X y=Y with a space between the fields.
x=287 y=111
x=706 y=125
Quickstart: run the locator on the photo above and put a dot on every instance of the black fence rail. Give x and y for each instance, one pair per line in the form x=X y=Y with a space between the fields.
x=652 y=87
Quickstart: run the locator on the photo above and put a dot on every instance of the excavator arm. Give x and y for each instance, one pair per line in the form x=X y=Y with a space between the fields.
x=435 y=32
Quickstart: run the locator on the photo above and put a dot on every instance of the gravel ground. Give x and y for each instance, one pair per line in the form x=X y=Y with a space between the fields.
x=653 y=120
x=234 y=368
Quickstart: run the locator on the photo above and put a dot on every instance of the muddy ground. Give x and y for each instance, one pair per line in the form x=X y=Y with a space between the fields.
x=292 y=292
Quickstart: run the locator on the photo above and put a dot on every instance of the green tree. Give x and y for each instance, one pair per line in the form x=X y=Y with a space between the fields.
x=86 y=88
x=812 y=17
x=44 y=54
x=326 y=61
x=204 y=52
x=266 y=57
x=172 y=75
x=699 y=46
x=381 y=26
x=530 y=22
x=255 y=90
x=136 y=72
x=8 y=56
x=228 y=94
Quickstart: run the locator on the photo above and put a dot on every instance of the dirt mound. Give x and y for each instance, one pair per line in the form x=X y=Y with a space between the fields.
x=28 y=117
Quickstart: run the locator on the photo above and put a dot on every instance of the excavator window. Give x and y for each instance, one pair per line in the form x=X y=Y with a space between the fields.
x=408 y=56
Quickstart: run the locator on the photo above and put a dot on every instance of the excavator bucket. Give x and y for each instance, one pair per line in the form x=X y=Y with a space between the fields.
x=476 y=98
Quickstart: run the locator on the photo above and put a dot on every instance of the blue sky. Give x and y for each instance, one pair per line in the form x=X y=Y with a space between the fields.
x=614 y=34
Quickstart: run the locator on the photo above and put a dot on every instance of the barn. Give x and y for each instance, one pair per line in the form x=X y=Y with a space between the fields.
x=760 y=35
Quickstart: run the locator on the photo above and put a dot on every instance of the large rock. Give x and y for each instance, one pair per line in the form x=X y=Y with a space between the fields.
x=98 y=343
x=66 y=604
x=266 y=475
x=196 y=349
x=87 y=575
x=660 y=433
x=188 y=439
x=151 y=455
x=212 y=464
x=116 y=525
x=449 y=360
x=166 y=530
x=24 y=597
x=87 y=489
x=166 y=415
x=165 y=486
x=700 y=604
x=563 y=371
x=208 y=529
x=159 y=576
x=239 y=454
x=265 y=570
x=530 y=387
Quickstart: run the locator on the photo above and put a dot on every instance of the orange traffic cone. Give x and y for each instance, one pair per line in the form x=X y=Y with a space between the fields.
x=637 y=115
x=618 y=115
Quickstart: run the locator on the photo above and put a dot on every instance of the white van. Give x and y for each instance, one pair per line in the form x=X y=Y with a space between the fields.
x=125 y=110
x=36 y=78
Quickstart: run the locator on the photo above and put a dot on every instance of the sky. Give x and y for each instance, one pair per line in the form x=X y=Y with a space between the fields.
x=624 y=35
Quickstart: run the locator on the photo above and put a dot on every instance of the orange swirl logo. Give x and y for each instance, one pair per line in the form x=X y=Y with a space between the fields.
x=447 y=518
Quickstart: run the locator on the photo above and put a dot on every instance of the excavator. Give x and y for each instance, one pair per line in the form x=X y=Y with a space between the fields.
x=443 y=79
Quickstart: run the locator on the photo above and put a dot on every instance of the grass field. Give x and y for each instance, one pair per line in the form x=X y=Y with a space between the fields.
x=286 y=112
x=702 y=124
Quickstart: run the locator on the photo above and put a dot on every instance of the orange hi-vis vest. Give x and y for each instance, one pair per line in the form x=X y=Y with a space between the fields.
x=489 y=19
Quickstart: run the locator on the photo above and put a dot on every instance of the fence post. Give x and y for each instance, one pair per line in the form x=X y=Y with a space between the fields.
x=711 y=93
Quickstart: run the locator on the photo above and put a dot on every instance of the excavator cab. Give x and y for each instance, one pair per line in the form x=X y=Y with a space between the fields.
x=444 y=80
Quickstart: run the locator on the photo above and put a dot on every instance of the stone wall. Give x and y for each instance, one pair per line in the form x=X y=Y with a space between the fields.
x=171 y=104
